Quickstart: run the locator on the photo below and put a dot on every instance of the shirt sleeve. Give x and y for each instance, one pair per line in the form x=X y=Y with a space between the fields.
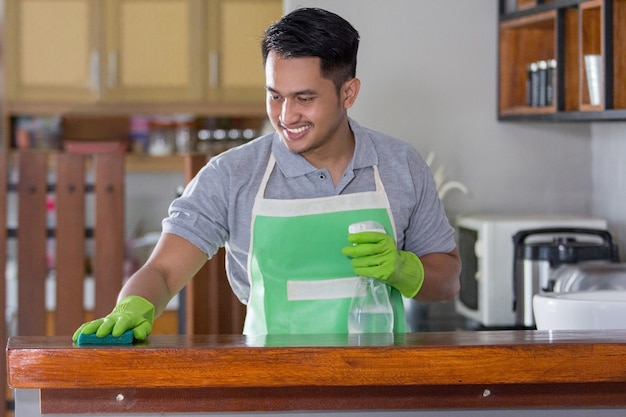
x=429 y=229
x=200 y=214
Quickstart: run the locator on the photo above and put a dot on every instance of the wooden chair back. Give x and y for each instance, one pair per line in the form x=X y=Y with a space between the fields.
x=208 y=305
x=30 y=178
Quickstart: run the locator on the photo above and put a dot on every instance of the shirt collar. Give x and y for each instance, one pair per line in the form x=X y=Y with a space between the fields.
x=294 y=165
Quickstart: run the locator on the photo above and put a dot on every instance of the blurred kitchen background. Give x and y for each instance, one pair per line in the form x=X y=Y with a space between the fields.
x=429 y=75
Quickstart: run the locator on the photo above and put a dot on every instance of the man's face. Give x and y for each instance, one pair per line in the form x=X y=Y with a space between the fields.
x=303 y=107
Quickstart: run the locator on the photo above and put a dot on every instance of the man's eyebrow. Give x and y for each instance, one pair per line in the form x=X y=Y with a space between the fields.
x=305 y=92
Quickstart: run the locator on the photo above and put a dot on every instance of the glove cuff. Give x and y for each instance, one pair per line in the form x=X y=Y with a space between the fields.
x=409 y=276
x=137 y=305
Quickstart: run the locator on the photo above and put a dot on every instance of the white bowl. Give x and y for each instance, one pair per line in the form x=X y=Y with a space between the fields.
x=588 y=310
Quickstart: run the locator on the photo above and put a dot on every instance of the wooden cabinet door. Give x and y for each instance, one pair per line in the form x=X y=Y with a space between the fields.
x=152 y=50
x=51 y=50
x=235 y=31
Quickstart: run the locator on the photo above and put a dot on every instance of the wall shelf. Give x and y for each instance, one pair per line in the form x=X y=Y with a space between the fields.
x=571 y=116
x=536 y=33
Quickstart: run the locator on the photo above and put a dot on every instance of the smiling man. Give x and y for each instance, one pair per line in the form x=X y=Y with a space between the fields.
x=310 y=112
x=282 y=204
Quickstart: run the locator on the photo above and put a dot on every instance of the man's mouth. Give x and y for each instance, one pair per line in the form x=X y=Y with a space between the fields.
x=296 y=132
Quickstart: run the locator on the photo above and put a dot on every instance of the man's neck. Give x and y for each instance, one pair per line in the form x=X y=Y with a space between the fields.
x=335 y=158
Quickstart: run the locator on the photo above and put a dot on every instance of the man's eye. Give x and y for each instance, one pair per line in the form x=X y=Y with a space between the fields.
x=305 y=99
x=275 y=97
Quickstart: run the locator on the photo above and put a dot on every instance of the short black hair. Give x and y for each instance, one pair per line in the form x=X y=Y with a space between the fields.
x=314 y=32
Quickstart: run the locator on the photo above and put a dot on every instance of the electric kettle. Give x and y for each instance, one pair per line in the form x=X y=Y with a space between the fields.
x=536 y=261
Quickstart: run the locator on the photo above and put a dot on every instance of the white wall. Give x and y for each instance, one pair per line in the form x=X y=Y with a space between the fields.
x=428 y=71
x=608 y=151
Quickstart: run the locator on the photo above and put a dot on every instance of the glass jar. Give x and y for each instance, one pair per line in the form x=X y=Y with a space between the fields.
x=185 y=133
x=162 y=139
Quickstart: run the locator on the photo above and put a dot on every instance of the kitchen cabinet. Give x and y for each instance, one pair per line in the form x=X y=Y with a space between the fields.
x=51 y=50
x=562 y=32
x=234 y=32
x=136 y=50
x=185 y=50
x=102 y=58
x=151 y=50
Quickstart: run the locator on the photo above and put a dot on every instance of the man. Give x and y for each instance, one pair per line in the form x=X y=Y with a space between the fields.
x=282 y=204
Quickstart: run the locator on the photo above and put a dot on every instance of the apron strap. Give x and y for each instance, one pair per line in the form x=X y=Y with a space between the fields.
x=266 y=176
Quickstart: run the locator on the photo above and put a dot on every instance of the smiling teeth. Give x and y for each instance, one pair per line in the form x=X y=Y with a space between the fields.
x=298 y=130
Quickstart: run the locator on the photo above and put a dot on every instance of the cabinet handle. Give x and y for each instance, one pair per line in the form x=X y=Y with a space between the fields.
x=112 y=79
x=213 y=69
x=94 y=71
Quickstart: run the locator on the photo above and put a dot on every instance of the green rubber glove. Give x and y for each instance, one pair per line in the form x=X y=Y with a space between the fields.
x=374 y=255
x=131 y=313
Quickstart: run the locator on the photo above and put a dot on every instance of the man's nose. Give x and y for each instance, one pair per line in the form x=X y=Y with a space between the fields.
x=288 y=112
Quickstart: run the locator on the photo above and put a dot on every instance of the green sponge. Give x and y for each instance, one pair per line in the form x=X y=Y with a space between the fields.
x=126 y=338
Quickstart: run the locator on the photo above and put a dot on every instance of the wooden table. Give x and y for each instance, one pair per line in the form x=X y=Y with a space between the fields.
x=452 y=370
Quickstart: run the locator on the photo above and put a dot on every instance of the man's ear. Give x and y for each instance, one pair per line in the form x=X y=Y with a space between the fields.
x=349 y=92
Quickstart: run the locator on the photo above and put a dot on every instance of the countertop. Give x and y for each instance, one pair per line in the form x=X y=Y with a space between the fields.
x=484 y=369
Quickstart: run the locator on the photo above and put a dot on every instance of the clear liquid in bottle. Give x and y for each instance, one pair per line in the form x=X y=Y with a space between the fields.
x=371 y=313
x=370 y=309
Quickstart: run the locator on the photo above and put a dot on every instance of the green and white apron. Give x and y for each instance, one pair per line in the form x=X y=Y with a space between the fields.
x=300 y=282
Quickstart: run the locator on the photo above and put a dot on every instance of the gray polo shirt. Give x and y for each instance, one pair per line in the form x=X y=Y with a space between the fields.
x=215 y=209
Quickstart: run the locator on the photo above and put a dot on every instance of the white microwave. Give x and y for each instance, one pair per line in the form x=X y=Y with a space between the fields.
x=485 y=244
